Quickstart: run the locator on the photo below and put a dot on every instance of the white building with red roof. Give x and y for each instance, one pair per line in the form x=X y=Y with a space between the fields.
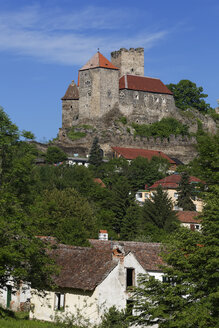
x=170 y=184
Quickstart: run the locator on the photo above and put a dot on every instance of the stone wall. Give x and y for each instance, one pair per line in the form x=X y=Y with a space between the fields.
x=145 y=107
x=70 y=112
x=180 y=147
x=129 y=61
x=99 y=92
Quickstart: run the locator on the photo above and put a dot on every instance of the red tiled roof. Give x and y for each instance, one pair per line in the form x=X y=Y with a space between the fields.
x=86 y=267
x=72 y=92
x=142 y=83
x=188 y=216
x=100 y=182
x=172 y=181
x=98 y=60
x=132 y=153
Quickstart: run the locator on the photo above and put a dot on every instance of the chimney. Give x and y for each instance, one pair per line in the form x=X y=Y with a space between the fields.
x=103 y=235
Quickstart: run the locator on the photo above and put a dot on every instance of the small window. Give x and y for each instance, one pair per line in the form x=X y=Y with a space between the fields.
x=59 y=301
x=130 y=277
x=176 y=195
x=197 y=226
x=129 y=307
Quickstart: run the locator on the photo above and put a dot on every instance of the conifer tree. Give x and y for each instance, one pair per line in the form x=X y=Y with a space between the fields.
x=185 y=192
x=159 y=210
x=96 y=155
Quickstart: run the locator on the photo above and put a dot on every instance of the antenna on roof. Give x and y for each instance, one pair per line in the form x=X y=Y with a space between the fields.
x=98 y=49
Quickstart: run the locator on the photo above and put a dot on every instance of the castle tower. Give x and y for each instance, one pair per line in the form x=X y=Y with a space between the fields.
x=70 y=106
x=98 y=87
x=129 y=61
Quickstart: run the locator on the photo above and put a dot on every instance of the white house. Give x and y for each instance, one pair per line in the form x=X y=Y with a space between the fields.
x=92 y=279
x=15 y=298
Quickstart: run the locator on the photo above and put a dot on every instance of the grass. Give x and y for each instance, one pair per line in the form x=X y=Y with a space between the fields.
x=75 y=135
x=14 y=323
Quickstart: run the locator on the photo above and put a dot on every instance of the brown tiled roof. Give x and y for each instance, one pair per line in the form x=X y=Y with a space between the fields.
x=147 y=254
x=132 y=153
x=188 y=216
x=98 y=60
x=72 y=92
x=142 y=83
x=172 y=181
x=86 y=267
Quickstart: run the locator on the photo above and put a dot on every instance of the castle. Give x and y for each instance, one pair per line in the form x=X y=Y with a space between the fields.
x=118 y=85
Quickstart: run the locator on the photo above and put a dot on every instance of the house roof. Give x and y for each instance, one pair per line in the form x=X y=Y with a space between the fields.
x=98 y=60
x=132 y=153
x=100 y=182
x=86 y=267
x=72 y=92
x=172 y=181
x=188 y=216
x=143 y=83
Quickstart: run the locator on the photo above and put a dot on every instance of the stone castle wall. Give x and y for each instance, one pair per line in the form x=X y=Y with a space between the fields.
x=129 y=61
x=70 y=112
x=99 y=92
x=142 y=106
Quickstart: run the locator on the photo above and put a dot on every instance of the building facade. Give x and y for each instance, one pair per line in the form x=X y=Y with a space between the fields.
x=119 y=85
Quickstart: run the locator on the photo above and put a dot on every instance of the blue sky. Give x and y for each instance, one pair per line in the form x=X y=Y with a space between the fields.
x=43 y=44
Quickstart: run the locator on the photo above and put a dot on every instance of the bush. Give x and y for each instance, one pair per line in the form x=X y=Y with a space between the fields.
x=164 y=128
x=73 y=135
x=55 y=155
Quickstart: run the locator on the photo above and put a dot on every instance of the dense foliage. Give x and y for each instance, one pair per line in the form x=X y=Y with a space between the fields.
x=188 y=95
x=189 y=294
x=21 y=254
x=163 y=129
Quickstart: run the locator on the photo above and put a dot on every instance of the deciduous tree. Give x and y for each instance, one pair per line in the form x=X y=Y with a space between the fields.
x=188 y=95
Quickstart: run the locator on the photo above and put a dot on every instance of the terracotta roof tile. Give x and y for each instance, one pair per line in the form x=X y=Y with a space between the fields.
x=142 y=83
x=172 y=181
x=98 y=60
x=188 y=216
x=132 y=153
x=100 y=182
x=72 y=92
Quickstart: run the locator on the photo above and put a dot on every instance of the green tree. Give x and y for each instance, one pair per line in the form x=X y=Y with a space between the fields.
x=159 y=211
x=185 y=192
x=206 y=164
x=131 y=223
x=22 y=256
x=114 y=318
x=96 y=154
x=189 y=293
x=188 y=95
x=64 y=214
x=141 y=171
x=55 y=155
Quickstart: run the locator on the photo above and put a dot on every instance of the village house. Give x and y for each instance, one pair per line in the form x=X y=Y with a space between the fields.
x=93 y=279
x=132 y=153
x=170 y=184
x=15 y=298
x=189 y=219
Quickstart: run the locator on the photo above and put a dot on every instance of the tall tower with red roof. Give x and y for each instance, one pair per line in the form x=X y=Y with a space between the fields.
x=98 y=87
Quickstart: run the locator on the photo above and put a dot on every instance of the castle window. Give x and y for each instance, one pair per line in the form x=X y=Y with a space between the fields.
x=109 y=93
x=89 y=93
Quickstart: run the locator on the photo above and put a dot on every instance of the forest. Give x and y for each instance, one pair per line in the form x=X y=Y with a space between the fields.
x=67 y=203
